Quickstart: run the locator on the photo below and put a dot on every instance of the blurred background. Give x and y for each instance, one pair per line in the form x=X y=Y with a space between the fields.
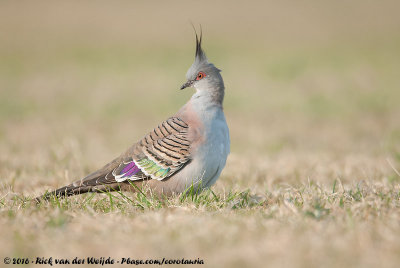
x=80 y=81
x=312 y=95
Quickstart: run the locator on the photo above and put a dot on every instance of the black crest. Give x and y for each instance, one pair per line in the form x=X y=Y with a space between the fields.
x=200 y=55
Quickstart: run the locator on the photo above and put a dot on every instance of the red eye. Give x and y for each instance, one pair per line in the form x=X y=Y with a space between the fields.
x=200 y=75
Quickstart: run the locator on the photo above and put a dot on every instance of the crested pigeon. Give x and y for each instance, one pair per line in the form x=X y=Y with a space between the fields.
x=187 y=150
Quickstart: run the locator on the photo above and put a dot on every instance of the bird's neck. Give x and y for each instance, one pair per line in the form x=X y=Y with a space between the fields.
x=209 y=96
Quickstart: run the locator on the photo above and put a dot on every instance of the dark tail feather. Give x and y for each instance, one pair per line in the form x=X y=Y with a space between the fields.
x=76 y=190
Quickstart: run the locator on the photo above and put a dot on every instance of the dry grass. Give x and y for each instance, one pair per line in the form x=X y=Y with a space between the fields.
x=312 y=103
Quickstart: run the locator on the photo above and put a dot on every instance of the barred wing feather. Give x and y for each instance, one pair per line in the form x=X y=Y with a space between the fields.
x=161 y=153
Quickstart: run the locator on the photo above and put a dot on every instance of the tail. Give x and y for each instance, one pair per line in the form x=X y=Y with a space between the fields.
x=74 y=189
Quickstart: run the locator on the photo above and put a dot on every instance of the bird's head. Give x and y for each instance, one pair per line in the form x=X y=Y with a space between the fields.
x=203 y=75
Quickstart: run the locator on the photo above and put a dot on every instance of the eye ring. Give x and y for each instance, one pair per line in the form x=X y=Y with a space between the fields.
x=200 y=75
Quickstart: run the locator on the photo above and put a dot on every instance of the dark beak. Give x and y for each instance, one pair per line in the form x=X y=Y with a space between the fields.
x=187 y=84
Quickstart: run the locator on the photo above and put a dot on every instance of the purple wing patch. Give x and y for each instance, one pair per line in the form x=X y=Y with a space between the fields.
x=125 y=171
x=128 y=167
x=129 y=170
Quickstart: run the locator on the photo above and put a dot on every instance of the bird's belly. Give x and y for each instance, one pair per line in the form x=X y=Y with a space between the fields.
x=211 y=157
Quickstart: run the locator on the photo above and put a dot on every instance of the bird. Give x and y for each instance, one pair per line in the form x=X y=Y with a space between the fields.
x=186 y=151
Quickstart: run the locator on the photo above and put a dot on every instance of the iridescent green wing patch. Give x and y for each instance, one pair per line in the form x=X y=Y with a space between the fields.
x=150 y=168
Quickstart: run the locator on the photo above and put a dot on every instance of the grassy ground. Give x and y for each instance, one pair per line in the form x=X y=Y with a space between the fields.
x=312 y=102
